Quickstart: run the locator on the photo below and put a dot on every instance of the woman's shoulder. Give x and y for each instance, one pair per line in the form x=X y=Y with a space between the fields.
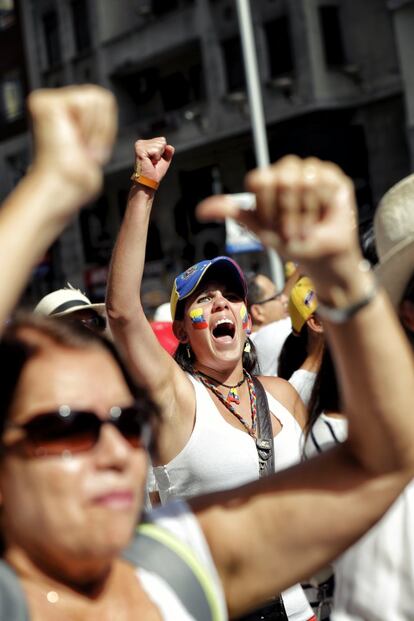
x=279 y=388
x=283 y=392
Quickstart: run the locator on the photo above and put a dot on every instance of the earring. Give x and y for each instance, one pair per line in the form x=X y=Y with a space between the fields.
x=247 y=347
x=188 y=350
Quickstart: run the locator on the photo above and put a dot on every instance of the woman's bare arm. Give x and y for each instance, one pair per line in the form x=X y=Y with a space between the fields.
x=74 y=129
x=302 y=518
x=278 y=531
x=149 y=363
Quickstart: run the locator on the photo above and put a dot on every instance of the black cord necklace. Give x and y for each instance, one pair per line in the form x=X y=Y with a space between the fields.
x=251 y=429
x=233 y=395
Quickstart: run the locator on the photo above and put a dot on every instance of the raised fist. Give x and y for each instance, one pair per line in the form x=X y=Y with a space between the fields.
x=153 y=158
x=74 y=129
x=305 y=209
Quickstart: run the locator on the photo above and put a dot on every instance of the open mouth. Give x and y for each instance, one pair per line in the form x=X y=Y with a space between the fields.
x=224 y=329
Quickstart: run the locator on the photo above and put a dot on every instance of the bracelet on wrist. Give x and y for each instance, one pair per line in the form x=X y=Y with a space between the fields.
x=341 y=314
x=141 y=179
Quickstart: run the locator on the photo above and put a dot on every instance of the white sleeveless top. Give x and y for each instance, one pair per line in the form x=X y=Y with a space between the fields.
x=374 y=578
x=219 y=456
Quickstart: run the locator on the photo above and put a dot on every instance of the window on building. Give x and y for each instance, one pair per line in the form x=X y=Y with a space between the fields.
x=180 y=88
x=175 y=83
x=233 y=60
x=141 y=86
x=81 y=25
x=332 y=38
x=164 y=6
x=52 y=40
x=175 y=91
x=198 y=240
x=12 y=96
x=7 y=14
x=279 y=46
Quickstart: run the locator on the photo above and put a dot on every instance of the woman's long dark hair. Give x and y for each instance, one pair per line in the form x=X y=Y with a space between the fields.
x=293 y=353
x=184 y=356
x=325 y=395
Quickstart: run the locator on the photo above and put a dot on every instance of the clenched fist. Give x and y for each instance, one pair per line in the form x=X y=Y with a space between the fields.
x=74 y=129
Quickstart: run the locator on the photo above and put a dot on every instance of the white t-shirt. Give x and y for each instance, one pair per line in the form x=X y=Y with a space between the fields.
x=325 y=433
x=303 y=382
x=374 y=578
x=269 y=341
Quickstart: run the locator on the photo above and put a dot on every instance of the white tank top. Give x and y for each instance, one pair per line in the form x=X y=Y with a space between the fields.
x=219 y=456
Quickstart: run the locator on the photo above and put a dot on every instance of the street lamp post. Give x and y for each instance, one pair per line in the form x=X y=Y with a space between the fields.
x=256 y=113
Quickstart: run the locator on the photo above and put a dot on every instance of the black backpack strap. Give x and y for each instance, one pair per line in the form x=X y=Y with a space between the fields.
x=264 y=439
x=13 y=605
x=264 y=444
x=159 y=551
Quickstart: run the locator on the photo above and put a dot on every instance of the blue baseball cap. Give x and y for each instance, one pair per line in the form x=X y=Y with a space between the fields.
x=223 y=269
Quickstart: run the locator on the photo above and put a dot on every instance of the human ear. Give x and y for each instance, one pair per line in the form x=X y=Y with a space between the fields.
x=256 y=313
x=315 y=324
x=179 y=331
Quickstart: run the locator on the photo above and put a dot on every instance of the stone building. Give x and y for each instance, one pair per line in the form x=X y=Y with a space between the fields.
x=336 y=83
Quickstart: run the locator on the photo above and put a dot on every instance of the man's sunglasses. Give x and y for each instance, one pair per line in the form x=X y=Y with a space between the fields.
x=53 y=433
x=95 y=322
x=275 y=296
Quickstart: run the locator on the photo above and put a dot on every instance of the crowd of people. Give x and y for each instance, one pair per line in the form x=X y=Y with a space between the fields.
x=256 y=497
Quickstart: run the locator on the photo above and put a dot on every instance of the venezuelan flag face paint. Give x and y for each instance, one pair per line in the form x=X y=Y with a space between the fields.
x=245 y=318
x=197 y=319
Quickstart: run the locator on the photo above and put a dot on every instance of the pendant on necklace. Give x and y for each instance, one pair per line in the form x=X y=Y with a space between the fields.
x=233 y=396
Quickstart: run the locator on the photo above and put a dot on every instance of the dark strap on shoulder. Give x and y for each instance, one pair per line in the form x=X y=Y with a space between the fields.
x=264 y=440
x=158 y=551
x=13 y=606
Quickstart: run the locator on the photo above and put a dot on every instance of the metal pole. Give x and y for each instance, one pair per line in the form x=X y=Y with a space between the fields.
x=253 y=83
x=256 y=112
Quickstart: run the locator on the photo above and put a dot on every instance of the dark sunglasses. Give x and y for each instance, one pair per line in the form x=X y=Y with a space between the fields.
x=275 y=296
x=53 y=433
x=96 y=323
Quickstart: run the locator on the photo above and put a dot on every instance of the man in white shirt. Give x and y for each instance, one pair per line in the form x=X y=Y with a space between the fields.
x=271 y=324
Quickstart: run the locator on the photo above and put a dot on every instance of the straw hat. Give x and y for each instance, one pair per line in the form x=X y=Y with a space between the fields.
x=64 y=301
x=394 y=236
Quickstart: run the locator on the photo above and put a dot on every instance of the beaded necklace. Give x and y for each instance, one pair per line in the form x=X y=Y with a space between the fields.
x=251 y=429
x=233 y=395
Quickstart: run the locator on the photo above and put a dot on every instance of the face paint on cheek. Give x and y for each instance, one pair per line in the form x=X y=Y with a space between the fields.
x=197 y=319
x=245 y=318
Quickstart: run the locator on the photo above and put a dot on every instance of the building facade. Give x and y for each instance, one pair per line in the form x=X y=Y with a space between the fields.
x=336 y=83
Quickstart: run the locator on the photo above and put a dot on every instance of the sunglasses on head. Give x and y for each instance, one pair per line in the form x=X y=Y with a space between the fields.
x=53 y=433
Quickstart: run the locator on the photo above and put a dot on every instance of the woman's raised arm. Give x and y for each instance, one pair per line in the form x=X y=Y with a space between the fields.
x=73 y=129
x=149 y=363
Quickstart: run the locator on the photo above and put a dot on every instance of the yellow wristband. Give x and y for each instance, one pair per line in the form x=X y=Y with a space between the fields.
x=149 y=183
